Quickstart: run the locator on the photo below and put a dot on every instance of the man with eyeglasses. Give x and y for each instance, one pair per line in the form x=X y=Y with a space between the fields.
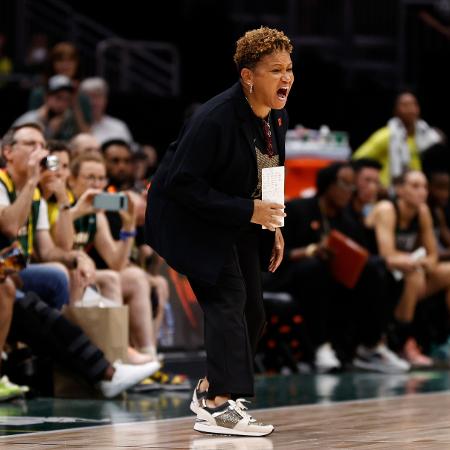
x=23 y=217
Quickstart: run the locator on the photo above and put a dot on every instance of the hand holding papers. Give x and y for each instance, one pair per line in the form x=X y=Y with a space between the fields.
x=273 y=187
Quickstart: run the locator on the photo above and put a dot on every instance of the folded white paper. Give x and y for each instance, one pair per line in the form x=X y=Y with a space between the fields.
x=272 y=187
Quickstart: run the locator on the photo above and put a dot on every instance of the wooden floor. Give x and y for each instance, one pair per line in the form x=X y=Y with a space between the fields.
x=419 y=421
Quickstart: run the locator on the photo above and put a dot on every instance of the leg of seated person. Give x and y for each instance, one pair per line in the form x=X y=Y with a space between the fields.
x=136 y=294
x=371 y=303
x=414 y=288
x=370 y=312
x=109 y=284
x=161 y=287
x=439 y=280
x=7 y=296
x=49 y=281
x=311 y=285
x=318 y=296
x=48 y=333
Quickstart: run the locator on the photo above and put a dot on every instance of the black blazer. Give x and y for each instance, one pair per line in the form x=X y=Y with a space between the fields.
x=200 y=196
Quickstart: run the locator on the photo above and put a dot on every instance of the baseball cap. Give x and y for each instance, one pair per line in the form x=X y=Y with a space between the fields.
x=59 y=83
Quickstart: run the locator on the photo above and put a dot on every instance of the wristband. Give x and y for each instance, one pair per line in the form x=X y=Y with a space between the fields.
x=124 y=235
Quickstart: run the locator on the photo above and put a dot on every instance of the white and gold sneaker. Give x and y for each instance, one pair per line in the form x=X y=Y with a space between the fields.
x=231 y=418
x=197 y=397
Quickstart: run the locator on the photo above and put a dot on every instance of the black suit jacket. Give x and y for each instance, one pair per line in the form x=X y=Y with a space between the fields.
x=200 y=196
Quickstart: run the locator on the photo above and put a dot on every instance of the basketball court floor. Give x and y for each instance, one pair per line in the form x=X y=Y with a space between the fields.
x=353 y=410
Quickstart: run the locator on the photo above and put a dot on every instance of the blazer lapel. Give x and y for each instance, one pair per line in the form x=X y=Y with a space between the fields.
x=243 y=112
x=280 y=133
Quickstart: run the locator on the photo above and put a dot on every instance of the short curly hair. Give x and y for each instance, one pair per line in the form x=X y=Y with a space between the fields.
x=257 y=43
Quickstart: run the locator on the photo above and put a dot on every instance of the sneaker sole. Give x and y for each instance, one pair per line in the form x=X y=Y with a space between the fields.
x=327 y=369
x=138 y=389
x=375 y=368
x=215 y=429
x=11 y=396
x=109 y=392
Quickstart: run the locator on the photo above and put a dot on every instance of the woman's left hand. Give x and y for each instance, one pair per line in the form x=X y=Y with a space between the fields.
x=277 y=251
x=129 y=216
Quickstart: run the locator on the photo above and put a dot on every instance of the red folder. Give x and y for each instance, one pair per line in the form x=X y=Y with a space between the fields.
x=348 y=258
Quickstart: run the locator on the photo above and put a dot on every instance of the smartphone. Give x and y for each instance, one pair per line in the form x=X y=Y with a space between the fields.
x=110 y=202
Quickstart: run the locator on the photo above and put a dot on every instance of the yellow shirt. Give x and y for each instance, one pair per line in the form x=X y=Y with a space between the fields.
x=377 y=147
x=53 y=209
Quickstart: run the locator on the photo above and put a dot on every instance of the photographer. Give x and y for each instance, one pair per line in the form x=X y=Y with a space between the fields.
x=23 y=217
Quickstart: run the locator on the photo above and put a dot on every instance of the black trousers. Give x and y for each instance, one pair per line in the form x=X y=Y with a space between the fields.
x=234 y=318
x=334 y=313
x=48 y=333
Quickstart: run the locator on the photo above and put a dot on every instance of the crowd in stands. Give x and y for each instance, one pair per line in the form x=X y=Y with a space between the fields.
x=55 y=160
x=392 y=199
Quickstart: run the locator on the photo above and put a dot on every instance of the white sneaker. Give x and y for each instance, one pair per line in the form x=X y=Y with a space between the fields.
x=380 y=359
x=230 y=419
x=326 y=358
x=9 y=389
x=197 y=397
x=126 y=376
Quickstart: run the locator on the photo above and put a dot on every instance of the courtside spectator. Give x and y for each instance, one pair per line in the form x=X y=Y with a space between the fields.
x=398 y=145
x=103 y=127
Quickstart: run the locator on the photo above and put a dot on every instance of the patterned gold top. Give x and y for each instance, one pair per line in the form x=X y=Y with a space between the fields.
x=264 y=162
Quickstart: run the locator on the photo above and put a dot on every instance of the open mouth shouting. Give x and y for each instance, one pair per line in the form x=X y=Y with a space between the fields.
x=282 y=93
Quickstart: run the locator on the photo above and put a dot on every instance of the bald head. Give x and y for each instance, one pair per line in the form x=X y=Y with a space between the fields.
x=83 y=143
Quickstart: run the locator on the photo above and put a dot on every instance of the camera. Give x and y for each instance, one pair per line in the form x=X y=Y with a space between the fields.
x=110 y=202
x=50 y=162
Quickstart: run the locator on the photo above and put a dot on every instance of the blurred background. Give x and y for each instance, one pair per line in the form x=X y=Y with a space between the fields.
x=160 y=58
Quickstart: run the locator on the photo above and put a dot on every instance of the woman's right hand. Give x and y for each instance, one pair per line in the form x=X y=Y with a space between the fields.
x=404 y=263
x=84 y=205
x=267 y=214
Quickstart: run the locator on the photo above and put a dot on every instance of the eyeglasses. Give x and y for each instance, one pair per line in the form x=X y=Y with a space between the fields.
x=31 y=144
x=93 y=179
